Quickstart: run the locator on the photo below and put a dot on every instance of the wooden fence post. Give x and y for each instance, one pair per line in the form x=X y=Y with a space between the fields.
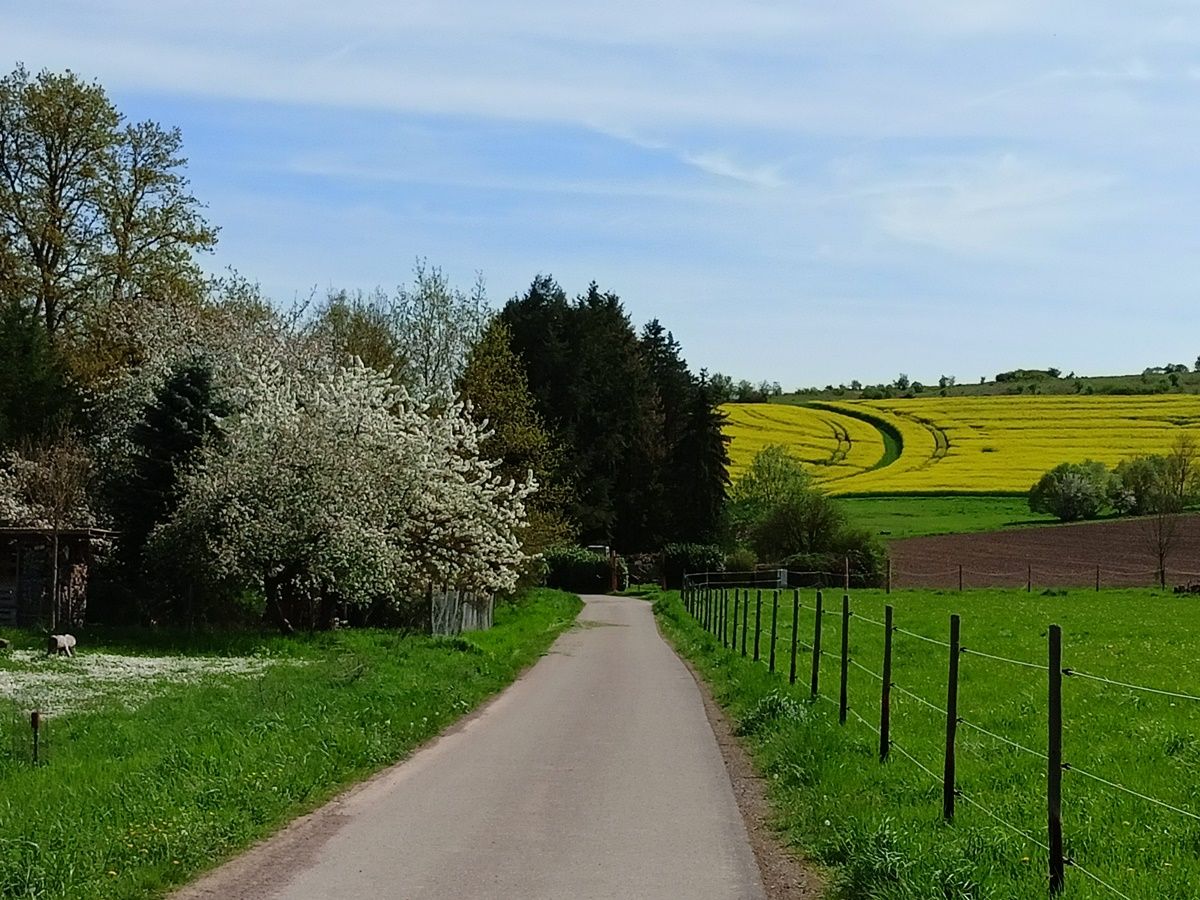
x=1097 y=579
x=816 y=654
x=745 y=618
x=846 y=560
x=795 y=628
x=948 y=776
x=843 y=696
x=885 y=700
x=1029 y=578
x=774 y=621
x=35 y=722
x=757 y=621
x=1054 y=765
x=960 y=582
x=888 y=589
x=736 y=597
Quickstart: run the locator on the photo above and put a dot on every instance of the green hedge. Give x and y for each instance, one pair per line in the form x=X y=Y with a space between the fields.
x=681 y=559
x=577 y=570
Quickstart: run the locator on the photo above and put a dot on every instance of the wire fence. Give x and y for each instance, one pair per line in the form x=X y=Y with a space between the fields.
x=710 y=608
x=1040 y=574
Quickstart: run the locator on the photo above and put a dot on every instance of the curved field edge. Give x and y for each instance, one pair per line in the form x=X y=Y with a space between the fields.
x=129 y=804
x=834 y=446
x=893 y=441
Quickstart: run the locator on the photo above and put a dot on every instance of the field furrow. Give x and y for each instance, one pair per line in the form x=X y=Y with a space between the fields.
x=961 y=445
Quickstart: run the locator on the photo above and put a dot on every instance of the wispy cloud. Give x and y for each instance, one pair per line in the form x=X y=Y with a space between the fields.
x=826 y=165
x=715 y=163
x=995 y=206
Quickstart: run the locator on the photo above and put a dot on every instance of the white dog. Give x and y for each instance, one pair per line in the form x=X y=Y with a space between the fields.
x=61 y=645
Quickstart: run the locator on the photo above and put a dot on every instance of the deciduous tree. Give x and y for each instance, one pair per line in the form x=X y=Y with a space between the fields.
x=92 y=210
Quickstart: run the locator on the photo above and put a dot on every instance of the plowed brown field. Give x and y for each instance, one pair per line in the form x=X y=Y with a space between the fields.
x=1122 y=552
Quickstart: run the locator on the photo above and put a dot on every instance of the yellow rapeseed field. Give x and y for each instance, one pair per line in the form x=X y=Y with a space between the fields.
x=974 y=444
x=833 y=445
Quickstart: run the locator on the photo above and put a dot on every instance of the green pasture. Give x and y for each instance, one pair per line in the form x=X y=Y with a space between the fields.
x=141 y=788
x=913 y=516
x=880 y=825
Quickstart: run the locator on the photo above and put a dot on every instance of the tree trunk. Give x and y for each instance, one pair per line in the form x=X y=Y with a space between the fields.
x=54 y=583
x=273 y=588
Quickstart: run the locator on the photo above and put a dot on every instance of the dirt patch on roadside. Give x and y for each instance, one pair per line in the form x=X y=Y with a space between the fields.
x=785 y=875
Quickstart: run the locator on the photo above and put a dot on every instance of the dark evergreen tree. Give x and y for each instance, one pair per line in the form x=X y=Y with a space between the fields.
x=699 y=467
x=637 y=427
x=618 y=427
x=184 y=414
x=36 y=396
x=539 y=334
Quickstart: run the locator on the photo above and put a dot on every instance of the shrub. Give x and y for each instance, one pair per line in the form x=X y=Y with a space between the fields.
x=680 y=559
x=802 y=523
x=867 y=569
x=741 y=559
x=1133 y=488
x=577 y=570
x=1072 y=491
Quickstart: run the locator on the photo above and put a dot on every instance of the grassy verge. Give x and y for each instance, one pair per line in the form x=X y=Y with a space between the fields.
x=880 y=827
x=137 y=797
x=913 y=516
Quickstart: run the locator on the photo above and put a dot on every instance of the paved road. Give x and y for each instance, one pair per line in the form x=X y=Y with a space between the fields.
x=594 y=776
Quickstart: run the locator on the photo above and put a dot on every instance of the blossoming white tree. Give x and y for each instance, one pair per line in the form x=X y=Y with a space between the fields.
x=338 y=487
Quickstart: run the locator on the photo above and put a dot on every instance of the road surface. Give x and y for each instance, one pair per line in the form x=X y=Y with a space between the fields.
x=596 y=775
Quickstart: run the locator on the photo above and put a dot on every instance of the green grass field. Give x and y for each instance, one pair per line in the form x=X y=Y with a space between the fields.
x=880 y=826
x=148 y=779
x=913 y=516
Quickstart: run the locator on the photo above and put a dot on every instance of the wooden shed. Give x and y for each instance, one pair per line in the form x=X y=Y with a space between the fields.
x=26 y=575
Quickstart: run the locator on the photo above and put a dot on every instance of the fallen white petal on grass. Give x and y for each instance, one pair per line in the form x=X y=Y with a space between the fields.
x=59 y=685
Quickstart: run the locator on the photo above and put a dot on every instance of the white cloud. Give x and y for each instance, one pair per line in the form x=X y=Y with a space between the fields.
x=992 y=207
x=719 y=164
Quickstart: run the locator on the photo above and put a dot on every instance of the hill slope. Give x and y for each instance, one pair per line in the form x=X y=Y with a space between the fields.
x=949 y=445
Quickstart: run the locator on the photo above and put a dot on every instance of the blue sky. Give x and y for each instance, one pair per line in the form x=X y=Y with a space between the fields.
x=806 y=193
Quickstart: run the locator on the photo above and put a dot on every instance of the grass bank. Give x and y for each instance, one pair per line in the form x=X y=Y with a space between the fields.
x=143 y=787
x=915 y=516
x=879 y=826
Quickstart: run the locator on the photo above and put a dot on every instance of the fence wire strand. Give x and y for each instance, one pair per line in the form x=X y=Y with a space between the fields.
x=1096 y=878
x=1075 y=673
x=916 y=762
x=862 y=668
x=854 y=712
x=921 y=637
x=1002 y=739
x=1004 y=659
x=1067 y=767
x=907 y=693
x=1011 y=827
x=868 y=620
